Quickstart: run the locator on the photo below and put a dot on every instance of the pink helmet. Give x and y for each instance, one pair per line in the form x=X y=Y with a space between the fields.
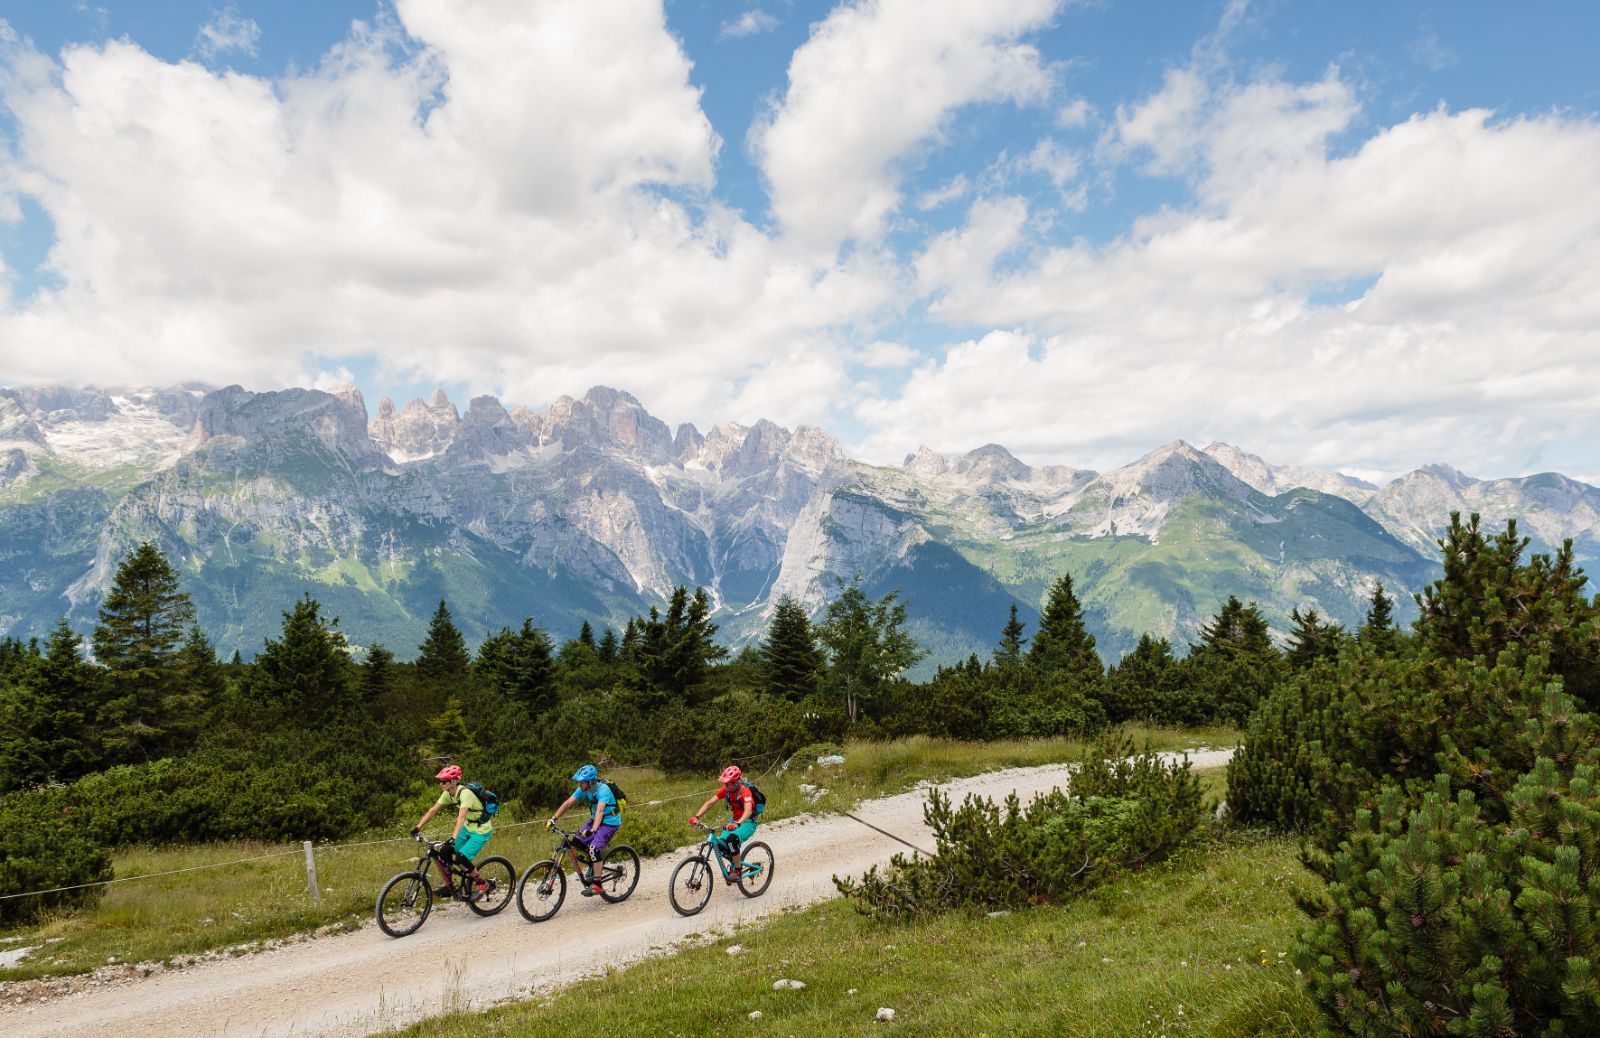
x=731 y=774
x=449 y=773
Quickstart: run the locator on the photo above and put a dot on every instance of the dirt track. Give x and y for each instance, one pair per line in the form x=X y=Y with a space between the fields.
x=358 y=983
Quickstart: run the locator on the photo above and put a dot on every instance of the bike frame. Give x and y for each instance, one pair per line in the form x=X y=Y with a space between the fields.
x=452 y=872
x=714 y=847
x=569 y=843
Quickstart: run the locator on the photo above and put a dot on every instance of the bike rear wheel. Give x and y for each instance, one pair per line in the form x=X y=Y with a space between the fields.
x=403 y=904
x=540 y=892
x=690 y=888
x=619 y=872
x=501 y=877
x=755 y=869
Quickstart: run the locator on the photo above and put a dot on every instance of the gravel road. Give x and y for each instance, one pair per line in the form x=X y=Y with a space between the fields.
x=362 y=982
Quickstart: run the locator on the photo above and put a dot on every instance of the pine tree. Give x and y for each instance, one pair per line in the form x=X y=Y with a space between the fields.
x=586 y=634
x=1312 y=639
x=306 y=674
x=790 y=656
x=608 y=650
x=138 y=639
x=1139 y=688
x=1063 y=645
x=1232 y=669
x=676 y=650
x=1009 y=654
x=377 y=675
x=202 y=685
x=519 y=666
x=442 y=658
x=50 y=735
x=1378 y=631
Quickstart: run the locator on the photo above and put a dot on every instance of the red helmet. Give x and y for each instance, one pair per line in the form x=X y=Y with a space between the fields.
x=731 y=774
x=449 y=773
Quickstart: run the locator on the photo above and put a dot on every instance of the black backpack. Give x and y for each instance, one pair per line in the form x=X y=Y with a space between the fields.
x=488 y=798
x=617 y=794
x=761 y=798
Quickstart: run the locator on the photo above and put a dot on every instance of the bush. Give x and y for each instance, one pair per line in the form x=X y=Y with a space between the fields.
x=1442 y=920
x=735 y=725
x=1121 y=814
x=46 y=847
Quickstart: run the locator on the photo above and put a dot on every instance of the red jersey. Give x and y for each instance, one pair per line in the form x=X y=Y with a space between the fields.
x=741 y=801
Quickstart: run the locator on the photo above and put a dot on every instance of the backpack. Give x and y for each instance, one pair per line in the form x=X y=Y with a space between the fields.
x=761 y=798
x=617 y=794
x=489 y=800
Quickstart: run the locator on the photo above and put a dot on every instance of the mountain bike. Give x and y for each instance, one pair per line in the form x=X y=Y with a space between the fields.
x=544 y=885
x=690 y=888
x=405 y=901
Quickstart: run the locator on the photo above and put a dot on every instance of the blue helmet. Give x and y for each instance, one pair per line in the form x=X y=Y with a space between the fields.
x=587 y=773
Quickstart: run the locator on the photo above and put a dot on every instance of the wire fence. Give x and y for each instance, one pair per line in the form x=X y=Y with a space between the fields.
x=777 y=758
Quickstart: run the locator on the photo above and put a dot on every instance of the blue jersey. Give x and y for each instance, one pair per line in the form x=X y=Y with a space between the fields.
x=601 y=794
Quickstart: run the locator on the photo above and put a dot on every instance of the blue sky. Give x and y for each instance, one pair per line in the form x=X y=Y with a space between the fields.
x=1331 y=233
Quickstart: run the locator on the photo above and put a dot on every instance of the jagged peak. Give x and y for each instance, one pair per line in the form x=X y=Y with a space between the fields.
x=1453 y=476
x=440 y=400
x=386 y=408
x=485 y=409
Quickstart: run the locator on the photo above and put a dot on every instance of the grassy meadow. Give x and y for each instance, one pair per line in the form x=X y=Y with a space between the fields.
x=224 y=908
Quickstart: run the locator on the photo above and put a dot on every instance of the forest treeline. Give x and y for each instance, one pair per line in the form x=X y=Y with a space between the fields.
x=136 y=732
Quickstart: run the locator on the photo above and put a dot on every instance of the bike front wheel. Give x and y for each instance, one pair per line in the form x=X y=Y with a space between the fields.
x=691 y=885
x=755 y=869
x=404 y=903
x=619 y=873
x=500 y=877
x=540 y=892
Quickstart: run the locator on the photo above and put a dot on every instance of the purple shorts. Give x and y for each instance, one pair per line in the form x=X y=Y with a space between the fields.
x=597 y=840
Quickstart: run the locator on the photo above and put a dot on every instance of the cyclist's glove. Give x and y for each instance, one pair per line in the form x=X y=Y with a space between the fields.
x=694 y=819
x=416 y=830
x=550 y=824
x=731 y=826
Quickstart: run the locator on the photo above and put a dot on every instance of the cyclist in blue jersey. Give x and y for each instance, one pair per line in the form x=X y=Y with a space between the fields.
x=598 y=831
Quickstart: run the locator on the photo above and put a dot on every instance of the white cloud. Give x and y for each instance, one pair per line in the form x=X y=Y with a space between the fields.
x=886 y=355
x=1074 y=113
x=949 y=191
x=227 y=31
x=748 y=24
x=1474 y=343
x=878 y=79
x=521 y=205
x=1433 y=53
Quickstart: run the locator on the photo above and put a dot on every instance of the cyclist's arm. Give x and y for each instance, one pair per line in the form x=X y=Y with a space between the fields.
x=563 y=808
x=461 y=820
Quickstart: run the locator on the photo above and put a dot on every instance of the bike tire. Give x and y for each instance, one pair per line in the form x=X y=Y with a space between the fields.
x=502 y=878
x=758 y=854
x=401 y=896
x=541 y=890
x=618 y=888
x=690 y=888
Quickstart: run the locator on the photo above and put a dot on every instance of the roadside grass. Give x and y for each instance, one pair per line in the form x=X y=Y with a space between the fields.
x=235 y=908
x=1194 y=946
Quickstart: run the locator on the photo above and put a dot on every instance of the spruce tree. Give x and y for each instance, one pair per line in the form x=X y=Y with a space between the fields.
x=201 y=688
x=586 y=634
x=1233 y=667
x=442 y=658
x=1311 y=639
x=676 y=650
x=1009 y=654
x=790 y=656
x=377 y=675
x=867 y=643
x=608 y=649
x=1378 y=631
x=518 y=666
x=1062 y=645
x=49 y=733
x=1139 y=688
x=306 y=674
x=138 y=639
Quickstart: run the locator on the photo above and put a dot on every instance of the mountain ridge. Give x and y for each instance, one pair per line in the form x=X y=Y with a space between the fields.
x=593 y=509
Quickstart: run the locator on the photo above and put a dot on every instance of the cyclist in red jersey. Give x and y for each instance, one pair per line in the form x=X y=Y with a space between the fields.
x=743 y=808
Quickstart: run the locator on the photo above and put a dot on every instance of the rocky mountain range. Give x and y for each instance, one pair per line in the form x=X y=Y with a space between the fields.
x=594 y=509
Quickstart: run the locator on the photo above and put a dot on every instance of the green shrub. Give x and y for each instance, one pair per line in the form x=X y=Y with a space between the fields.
x=44 y=846
x=1121 y=814
x=1441 y=919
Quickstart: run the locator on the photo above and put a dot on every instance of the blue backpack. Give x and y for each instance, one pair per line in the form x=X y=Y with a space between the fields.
x=489 y=800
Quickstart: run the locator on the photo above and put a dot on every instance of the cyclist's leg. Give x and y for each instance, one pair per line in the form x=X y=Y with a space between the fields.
x=596 y=842
x=467 y=847
x=737 y=839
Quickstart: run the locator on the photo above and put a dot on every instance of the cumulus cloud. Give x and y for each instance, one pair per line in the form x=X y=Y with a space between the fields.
x=748 y=24
x=944 y=194
x=1422 y=296
x=520 y=201
x=227 y=31
x=877 y=80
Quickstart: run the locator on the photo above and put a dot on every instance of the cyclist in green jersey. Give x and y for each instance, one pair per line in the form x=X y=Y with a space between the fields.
x=473 y=826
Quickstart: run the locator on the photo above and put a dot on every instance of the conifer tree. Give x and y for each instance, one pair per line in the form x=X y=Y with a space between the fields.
x=1232 y=668
x=1378 y=631
x=377 y=674
x=49 y=734
x=306 y=674
x=1062 y=645
x=608 y=649
x=790 y=656
x=1009 y=654
x=442 y=657
x=138 y=638
x=1140 y=686
x=586 y=634
x=201 y=687
x=1311 y=639
x=676 y=650
x=519 y=666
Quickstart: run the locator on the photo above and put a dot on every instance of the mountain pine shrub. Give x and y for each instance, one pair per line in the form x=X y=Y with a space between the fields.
x=1123 y=812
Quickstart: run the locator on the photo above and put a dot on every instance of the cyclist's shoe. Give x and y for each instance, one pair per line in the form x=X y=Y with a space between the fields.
x=445 y=891
x=589 y=891
x=480 y=890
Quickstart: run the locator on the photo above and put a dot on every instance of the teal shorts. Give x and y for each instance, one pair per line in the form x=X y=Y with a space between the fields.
x=743 y=833
x=468 y=844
